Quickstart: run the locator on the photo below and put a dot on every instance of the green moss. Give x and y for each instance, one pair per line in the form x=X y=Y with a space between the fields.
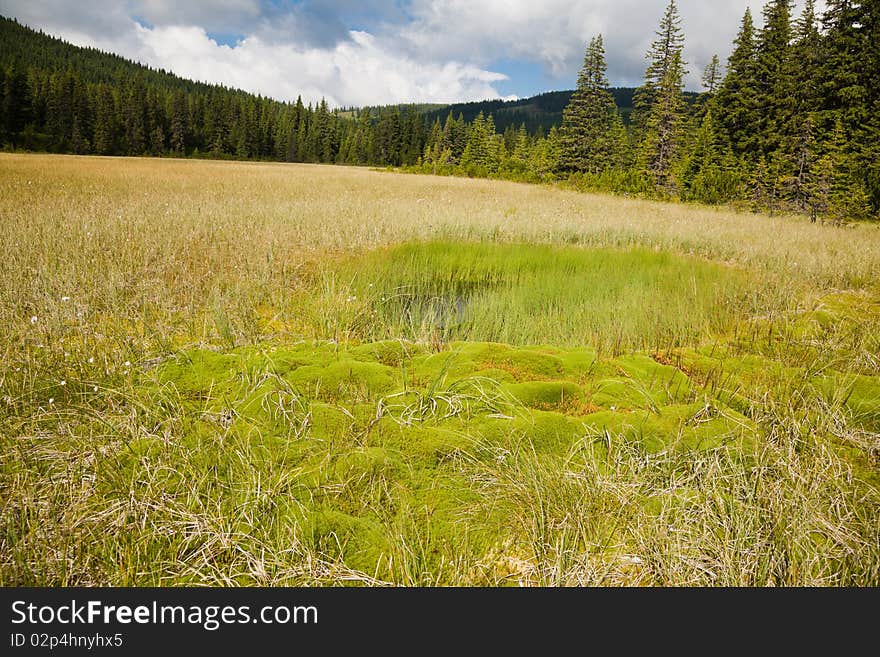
x=328 y=422
x=548 y=395
x=343 y=379
x=523 y=364
x=359 y=542
x=387 y=352
x=198 y=371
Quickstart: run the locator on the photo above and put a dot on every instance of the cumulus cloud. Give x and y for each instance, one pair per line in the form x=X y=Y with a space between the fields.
x=386 y=51
x=554 y=32
x=358 y=71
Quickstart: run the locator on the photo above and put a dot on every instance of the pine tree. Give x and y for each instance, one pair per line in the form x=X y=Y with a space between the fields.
x=660 y=145
x=545 y=155
x=105 y=122
x=587 y=139
x=835 y=189
x=475 y=158
x=851 y=55
x=2 y=105
x=667 y=47
x=134 y=117
x=773 y=69
x=802 y=160
x=157 y=140
x=736 y=103
x=712 y=75
x=294 y=138
x=179 y=123
x=82 y=128
x=869 y=156
x=701 y=173
x=798 y=140
x=521 y=152
x=16 y=103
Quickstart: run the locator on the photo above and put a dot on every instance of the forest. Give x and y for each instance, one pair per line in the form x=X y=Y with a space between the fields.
x=790 y=124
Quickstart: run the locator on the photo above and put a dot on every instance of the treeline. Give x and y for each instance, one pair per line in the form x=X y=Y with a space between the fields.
x=64 y=99
x=793 y=124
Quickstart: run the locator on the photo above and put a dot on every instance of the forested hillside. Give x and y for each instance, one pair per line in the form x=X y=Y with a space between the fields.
x=792 y=123
x=537 y=114
x=63 y=98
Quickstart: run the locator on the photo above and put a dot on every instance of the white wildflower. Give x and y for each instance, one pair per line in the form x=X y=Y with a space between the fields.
x=34 y=319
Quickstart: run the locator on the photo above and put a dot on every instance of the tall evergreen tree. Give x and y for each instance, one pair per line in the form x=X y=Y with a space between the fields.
x=105 y=122
x=179 y=123
x=587 y=139
x=667 y=47
x=799 y=145
x=712 y=75
x=835 y=188
x=660 y=145
x=16 y=103
x=773 y=71
x=736 y=103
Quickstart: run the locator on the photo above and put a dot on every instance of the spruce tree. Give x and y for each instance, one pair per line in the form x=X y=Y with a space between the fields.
x=179 y=123
x=712 y=75
x=736 y=103
x=851 y=55
x=660 y=145
x=587 y=139
x=105 y=122
x=703 y=176
x=835 y=188
x=16 y=103
x=799 y=130
x=870 y=77
x=476 y=156
x=774 y=82
x=668 y=46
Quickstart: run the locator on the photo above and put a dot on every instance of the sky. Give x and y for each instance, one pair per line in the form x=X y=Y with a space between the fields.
x=356 y=53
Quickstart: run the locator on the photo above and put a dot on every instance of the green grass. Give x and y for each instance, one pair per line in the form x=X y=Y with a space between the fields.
x=202 y=384
x=615 y=299
x=482 y=463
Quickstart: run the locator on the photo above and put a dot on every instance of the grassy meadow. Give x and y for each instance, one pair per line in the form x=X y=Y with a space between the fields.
x=221 y=373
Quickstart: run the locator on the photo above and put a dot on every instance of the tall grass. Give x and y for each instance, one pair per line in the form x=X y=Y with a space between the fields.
x=108 y=475
x=526 y=294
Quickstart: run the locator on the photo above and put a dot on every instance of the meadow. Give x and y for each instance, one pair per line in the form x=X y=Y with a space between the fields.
x=222 y=373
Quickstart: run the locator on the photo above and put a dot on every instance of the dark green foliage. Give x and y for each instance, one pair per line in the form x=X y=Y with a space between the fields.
x=712 y=75
x=590 y=139
x=773 y=80
x=737 y=103
x=710 y=173
x=54 y=96
x=668 y=46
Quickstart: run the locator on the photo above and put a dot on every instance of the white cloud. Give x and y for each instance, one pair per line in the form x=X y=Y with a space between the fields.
x=415 y=50
x=555 y=32
x=359 y=71
x=213 y=15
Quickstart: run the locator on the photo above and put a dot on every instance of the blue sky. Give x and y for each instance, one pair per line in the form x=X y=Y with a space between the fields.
x=385 y=51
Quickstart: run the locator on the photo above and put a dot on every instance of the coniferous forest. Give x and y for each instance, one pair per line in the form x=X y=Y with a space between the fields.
x=791 y=123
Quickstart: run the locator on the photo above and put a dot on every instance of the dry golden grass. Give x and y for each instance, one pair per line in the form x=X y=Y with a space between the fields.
x=181 y=223
x=111 y=264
